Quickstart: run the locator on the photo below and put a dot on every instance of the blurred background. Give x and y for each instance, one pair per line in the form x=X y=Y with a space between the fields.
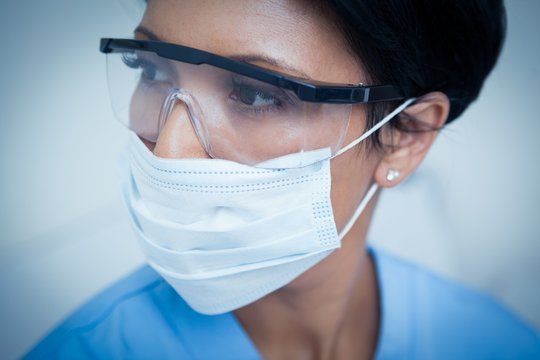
x=471 y=212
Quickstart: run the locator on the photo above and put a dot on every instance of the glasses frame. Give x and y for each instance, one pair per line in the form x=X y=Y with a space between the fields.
x=306 y=91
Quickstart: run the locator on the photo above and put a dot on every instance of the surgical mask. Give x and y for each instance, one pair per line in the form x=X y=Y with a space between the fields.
x=225 y=234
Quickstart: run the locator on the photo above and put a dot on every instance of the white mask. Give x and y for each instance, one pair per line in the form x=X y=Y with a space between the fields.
x=223 y=234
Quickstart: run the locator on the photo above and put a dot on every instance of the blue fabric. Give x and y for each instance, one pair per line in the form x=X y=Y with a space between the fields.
x=142 y=317
x=423 y=317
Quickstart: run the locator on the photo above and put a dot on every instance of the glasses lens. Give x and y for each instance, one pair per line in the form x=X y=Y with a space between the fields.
x=235 y=117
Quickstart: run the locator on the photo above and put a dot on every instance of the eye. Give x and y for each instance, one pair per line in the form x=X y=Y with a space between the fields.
x=149 y=71
x=256 y=96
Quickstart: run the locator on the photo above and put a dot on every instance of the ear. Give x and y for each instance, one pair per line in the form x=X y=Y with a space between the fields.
x=408 y=148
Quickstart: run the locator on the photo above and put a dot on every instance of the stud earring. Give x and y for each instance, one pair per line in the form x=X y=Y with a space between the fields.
x=392 y=175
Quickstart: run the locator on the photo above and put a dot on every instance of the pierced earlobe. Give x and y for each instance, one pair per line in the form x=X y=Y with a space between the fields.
x=392 y=175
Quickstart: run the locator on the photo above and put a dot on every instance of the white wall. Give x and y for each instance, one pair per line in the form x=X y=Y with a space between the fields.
x=471 y=212
x=63 y=235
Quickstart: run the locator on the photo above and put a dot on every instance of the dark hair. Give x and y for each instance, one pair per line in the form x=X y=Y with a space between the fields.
x=424 y=45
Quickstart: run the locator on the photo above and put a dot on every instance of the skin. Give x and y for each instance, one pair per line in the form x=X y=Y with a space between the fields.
x=332 y=310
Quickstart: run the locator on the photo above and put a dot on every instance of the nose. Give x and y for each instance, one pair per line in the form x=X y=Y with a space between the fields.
x=177 y=138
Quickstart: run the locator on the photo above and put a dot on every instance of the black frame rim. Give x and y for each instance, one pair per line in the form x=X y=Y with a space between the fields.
x=306 y=91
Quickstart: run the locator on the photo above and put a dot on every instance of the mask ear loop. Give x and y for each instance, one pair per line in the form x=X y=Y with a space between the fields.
x=373 y=188
x=380 y=124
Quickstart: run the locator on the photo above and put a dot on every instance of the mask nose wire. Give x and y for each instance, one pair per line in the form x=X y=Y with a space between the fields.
x=377 y=126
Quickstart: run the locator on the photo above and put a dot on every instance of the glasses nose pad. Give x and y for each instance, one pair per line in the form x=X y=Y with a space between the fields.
x=193 y=111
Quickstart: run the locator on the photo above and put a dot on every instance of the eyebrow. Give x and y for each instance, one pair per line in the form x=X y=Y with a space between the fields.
x=246 y=58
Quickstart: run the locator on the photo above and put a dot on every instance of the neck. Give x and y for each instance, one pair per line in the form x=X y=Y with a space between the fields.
x=330 y=312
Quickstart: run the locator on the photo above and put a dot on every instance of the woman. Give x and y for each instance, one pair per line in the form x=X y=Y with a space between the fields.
x=263 y=132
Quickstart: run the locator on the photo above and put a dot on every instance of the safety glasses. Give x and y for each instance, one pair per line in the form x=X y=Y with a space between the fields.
x=239 y=111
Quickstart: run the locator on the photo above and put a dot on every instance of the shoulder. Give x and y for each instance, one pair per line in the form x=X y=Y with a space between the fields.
x=95 y=328
x=128 y=317
x=435 y=316
x=142 y=317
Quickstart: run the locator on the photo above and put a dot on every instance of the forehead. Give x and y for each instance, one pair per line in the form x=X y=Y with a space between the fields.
x=293 y=31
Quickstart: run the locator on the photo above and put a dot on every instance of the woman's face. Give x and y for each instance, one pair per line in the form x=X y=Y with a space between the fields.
x=289 y=36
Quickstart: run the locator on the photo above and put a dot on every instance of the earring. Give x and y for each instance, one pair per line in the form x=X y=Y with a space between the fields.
x=392 y=175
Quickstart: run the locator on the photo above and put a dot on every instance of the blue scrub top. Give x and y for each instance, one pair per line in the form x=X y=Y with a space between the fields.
x=424 y=316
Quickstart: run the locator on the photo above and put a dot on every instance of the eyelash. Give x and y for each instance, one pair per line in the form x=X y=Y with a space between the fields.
x=135 y=62
x=238 y=85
